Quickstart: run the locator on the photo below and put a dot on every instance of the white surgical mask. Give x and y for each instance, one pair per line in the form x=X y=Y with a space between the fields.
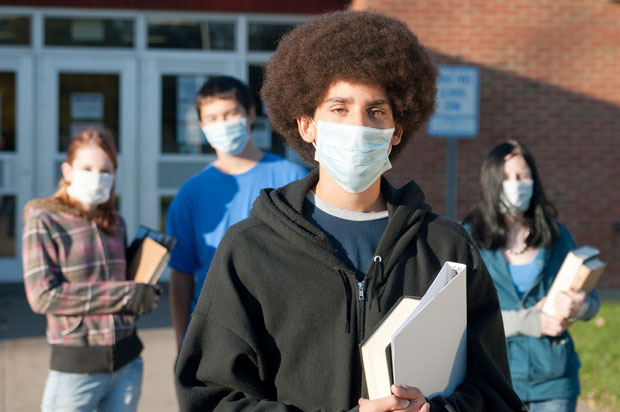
x=90 y=188
x=516 y=196
x=229 y=136
x=354 y=156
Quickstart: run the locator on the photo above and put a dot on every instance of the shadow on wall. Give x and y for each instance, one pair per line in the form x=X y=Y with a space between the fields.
x=574 y=139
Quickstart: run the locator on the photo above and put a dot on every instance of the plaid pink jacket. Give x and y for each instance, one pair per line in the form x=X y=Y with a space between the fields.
x=74 y=273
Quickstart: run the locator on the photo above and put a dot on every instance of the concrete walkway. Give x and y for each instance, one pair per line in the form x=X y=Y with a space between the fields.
x=24 y=356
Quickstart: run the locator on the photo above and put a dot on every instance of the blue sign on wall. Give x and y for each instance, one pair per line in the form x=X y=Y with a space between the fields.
x=457 y=112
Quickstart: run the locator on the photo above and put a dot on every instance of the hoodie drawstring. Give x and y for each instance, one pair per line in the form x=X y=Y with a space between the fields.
x=348 y=294
x=378 y=273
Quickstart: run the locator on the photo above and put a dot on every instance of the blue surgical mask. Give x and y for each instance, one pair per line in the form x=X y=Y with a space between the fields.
x=229 y=136
x=354 y=156
x=516 y=196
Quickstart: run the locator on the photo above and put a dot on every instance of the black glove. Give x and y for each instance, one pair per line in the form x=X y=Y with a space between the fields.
x=143 y=299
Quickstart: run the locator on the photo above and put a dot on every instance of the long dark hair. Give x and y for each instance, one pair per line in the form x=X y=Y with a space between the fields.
x=487 y=222
x=105 y=216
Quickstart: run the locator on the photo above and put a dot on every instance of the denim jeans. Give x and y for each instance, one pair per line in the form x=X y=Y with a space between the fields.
x=553 y=405
x=87 y=392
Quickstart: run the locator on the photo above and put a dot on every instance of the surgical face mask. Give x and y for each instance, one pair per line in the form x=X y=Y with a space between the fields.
x=229 y=136
x=91 y=188
x=354 y=156
x=516 y=196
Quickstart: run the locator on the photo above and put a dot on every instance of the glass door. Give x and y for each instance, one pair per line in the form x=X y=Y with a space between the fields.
x=172 y=146
x=77 y=92
x=16 y=162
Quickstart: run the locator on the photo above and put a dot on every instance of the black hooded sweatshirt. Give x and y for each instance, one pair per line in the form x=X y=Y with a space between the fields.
x=280 y=317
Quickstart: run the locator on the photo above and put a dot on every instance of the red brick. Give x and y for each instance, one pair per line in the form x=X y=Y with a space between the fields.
x=550 y=77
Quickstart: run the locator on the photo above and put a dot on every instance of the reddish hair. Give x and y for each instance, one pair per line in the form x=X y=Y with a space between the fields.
x=105 y=216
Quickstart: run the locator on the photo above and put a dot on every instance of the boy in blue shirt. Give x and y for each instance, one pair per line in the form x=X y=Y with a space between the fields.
x=221 y=194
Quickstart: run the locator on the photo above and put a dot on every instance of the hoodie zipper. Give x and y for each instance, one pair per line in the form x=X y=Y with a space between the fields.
x=361 y=308
x=349 y=287
x=360 y=291
x=361 y=295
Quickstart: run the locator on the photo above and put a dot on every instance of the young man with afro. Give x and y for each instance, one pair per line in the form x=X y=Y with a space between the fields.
x=295 y=288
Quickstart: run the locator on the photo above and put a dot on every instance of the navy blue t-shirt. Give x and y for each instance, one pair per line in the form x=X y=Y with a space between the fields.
x=355 y=235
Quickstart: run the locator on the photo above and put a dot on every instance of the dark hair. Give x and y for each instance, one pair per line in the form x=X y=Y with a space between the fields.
x=487 y=222
x=355 y=46
x=225 y=87
x=105 y=215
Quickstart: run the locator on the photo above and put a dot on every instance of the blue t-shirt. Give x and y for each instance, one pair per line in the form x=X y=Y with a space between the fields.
x=210 y=202
x=354 y=235
x=523 y=276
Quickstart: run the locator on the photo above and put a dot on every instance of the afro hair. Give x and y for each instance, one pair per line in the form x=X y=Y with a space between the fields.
x=355 y=46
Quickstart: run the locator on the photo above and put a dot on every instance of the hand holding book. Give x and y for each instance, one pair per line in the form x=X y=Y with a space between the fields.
x=550 y=325
x=403 y=397
x=148 y=255
x=577 y=276
x=568 y=304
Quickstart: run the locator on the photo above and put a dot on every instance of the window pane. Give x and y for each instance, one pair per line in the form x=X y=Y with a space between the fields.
x=15 y=30
x=171 y=174
x=265 y=36
x=256 y=83
x=192 y=35
x=87 y=100
x=180 y=130
x=7 y=226
x=88 y=32
x=164 y=204
x=7 y=111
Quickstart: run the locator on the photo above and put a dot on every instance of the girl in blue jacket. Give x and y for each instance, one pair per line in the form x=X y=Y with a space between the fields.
x=523 y=248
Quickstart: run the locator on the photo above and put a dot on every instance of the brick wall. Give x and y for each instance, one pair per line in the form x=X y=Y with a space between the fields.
x=550 y=77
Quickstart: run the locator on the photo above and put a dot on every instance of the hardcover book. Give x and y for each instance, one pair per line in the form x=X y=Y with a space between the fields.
x=148 y=255
x=581 y=269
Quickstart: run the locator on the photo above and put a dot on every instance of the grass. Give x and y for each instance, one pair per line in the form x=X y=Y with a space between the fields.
x=598 y=345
